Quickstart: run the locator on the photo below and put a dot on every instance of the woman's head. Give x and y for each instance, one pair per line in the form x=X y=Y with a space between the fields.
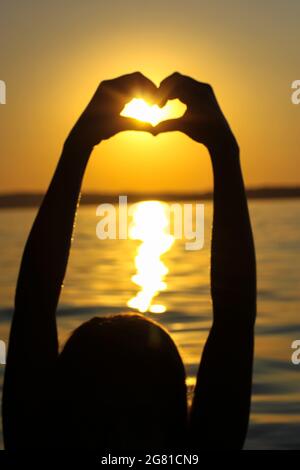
x=121 y=384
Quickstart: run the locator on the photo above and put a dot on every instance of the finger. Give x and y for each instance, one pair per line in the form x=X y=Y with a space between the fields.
x=130 y=124
x=135 y=85
x=170 y=88
x=169 y=125
x=176 y=86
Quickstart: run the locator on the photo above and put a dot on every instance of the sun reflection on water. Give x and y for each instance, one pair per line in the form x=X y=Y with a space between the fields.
x=150 y=225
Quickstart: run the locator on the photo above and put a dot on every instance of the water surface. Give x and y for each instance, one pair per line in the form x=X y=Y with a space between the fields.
x=105 y=276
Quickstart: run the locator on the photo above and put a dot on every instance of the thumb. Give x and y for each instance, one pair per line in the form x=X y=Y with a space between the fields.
x=131 y=124
x=169 y=125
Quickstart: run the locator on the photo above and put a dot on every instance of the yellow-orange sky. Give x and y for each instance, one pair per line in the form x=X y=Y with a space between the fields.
x=53 y=54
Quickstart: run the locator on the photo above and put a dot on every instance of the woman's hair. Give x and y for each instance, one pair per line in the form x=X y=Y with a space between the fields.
x=120 y=384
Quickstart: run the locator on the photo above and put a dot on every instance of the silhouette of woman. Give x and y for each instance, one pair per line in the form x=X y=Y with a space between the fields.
x=119 y=382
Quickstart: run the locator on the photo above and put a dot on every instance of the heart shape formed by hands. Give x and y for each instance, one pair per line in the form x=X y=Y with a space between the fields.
x=122 y=104
x=153 y=114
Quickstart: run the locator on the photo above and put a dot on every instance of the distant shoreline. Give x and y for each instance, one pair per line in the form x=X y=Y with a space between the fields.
x=26 y=199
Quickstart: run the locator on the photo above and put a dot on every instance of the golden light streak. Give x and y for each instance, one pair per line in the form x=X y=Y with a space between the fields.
x=150 y=225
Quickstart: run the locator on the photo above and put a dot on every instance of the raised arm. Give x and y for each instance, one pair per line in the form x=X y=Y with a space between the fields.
x=221 y=405
x=33 y=344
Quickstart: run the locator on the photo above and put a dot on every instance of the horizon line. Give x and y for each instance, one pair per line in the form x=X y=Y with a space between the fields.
x=21 y=199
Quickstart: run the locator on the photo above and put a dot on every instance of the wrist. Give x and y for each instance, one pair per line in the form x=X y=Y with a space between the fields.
x=76 y=154
x=224 y=148
x=75 y=144
x=85 y=134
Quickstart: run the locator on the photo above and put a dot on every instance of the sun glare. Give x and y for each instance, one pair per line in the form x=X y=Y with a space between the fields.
x=150 y=225
x=141 y=110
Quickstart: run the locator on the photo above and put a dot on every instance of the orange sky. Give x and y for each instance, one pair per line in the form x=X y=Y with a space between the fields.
x=52 y=56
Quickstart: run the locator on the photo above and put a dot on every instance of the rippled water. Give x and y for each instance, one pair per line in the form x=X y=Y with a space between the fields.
x=102 y=278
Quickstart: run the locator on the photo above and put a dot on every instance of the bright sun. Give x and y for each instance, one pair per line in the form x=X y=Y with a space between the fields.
x=141 y=110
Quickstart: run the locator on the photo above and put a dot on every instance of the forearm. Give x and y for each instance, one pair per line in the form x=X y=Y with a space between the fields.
x=233 y=271
x=47 y=249
x=220 y=412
